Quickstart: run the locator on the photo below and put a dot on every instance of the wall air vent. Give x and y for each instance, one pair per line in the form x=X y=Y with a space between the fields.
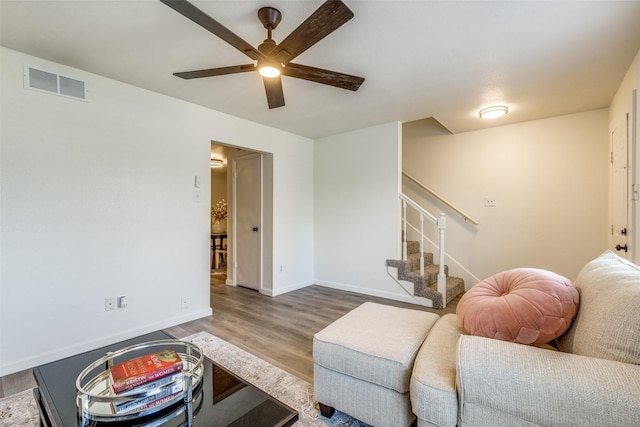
x=57 y=84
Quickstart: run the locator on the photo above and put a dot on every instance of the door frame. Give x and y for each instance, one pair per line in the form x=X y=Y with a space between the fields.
x=621 y=190
x=634 y=180
x=630 y=121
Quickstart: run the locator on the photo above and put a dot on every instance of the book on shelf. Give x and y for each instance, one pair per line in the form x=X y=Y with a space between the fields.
x=163 y=395
x=144 y=369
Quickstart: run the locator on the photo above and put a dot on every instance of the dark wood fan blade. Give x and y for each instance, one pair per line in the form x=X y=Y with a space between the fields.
x=326 y=19
x=188 y=10
x=275 y=95
x=210 y=72
x=327 y=77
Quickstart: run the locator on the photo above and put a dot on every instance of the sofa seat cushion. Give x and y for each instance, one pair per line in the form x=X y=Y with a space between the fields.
x=523 y=305
x=504 y=384
x=433 y=384
x=375 y=343
x=607 y=325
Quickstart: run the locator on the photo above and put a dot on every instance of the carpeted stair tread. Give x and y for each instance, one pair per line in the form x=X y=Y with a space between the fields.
x=393 y=262
x=415 y=259
x=413 y=247
x=425 y=285
x=430 y=274
x=455 y=286
x=409 y=270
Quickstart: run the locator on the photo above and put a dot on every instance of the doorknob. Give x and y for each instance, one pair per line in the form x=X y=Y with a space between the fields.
x=621 y=248
x=256 y=229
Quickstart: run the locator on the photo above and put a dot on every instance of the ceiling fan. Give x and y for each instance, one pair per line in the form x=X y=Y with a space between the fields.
x=274 y=60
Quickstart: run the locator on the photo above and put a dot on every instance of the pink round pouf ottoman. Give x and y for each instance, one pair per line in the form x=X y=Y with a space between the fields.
x=523 y=305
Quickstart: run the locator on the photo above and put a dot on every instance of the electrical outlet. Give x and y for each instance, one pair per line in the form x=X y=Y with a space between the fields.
x=184 y=302
x=489 y=202
x=109 y=304
x=281 y=269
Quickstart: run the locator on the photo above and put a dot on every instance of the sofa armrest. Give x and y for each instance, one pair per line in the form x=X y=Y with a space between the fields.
x=501 y=383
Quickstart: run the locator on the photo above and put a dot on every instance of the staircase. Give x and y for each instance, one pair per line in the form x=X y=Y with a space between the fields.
x=426 y=286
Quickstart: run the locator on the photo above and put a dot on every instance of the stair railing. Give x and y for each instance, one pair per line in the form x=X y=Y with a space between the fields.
x=442 y=225
x=444 y=201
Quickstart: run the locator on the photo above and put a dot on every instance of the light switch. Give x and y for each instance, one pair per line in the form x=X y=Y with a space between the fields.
x=197 y=181
x=122 y=301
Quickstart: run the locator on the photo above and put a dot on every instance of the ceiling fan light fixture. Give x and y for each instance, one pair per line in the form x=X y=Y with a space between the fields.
x=494 y=112
x=273 y=59
x=216 y=163
x=268 y=69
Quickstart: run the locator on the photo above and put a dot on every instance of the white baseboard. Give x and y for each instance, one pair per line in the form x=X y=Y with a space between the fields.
x=403 y=297
x=31 y=361
x=284 y=290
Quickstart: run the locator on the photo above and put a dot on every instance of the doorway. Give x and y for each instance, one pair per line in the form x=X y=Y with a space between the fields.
x=247 y=261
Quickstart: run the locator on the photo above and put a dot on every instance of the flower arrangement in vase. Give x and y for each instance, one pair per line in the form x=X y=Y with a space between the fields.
x=219 y=216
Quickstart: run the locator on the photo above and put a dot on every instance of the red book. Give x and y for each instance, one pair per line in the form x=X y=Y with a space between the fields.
x=141 y=370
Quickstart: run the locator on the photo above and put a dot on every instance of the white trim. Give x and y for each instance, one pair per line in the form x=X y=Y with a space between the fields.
x=289 y=288
x=78 y=348
x=368 y=291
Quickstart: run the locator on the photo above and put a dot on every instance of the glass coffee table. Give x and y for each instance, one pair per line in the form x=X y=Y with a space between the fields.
x=221 y=399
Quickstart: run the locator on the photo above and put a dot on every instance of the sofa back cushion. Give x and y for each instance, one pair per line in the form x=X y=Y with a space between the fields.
x=607 y=325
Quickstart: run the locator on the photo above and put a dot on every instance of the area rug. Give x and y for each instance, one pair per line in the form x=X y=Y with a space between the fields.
x=21 y=410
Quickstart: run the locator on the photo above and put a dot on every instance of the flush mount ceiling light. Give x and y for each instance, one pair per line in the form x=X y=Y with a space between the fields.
x=494 y=112
x=216 y=163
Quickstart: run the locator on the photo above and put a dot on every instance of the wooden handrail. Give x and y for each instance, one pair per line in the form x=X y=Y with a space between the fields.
x=444 y=201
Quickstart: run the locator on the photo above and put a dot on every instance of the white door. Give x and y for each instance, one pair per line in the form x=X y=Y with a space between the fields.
x=247 y=180
x=620 y=195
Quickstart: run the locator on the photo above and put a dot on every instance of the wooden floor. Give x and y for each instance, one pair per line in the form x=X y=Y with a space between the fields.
x=279 y=329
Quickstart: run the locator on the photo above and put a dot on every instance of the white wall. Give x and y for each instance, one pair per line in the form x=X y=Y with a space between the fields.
x=549 y=179
x=356 y=210
x=97 y=201
x=293 y=218
x=623 y=104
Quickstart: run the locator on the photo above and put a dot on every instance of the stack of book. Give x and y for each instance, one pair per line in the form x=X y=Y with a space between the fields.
x=157 y=376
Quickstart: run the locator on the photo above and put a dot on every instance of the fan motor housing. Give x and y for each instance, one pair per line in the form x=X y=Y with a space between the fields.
x=270 y=17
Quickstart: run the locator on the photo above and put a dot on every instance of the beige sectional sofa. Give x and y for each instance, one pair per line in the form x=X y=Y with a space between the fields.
x=593 y=380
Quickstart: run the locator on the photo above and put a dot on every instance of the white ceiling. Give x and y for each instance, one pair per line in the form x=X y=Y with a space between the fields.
x=420 y=59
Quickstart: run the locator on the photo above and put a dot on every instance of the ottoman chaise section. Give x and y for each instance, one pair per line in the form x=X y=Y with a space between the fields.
x=363 y=362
